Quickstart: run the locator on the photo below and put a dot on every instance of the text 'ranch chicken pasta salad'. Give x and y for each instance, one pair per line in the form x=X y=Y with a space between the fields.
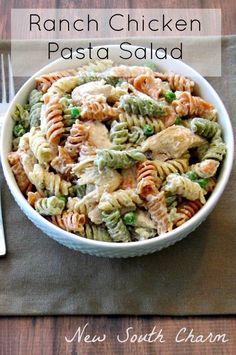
x=116 y=153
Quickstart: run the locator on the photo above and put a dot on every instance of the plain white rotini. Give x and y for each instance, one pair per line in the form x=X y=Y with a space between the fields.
x=125 y=71
x=128 y=198
x=44 y=180
x=42 y=149
x=181 y=185
x=97 y=66
x=63 y=85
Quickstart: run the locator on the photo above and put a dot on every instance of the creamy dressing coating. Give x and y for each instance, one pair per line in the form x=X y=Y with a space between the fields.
x=129 y=71
x=43 y=119
x=93 y=91
x=108 y=180
x=98 y=134
x=144 y=220
x=174 y=141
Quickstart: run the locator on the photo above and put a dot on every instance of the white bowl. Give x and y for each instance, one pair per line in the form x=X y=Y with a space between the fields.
x=133 y=248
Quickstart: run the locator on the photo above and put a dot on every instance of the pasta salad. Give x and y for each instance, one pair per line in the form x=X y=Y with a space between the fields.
x=116 y=153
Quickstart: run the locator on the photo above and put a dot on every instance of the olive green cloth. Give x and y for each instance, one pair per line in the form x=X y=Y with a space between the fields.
x=195 y=276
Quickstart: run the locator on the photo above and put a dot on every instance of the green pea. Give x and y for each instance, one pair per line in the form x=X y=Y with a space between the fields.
x=75 y=112
x=178 y=120
x=148 y=129
x=192 y=175
x=129 y=218
x=170 y=96
x=202 y=182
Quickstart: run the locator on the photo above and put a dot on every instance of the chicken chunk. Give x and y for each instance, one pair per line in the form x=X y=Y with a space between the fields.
x=174 y=141
x=92 y=91
x=98 y=134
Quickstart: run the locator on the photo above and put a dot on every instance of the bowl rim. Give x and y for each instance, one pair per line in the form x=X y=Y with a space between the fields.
x=204 y=211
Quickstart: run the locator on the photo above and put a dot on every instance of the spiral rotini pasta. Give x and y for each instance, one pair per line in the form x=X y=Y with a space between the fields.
x=116 y=153
x=98 y=111
x=181 y=185
x=35 y=103
x=164 y=168
x=118 y=199
x=133 y=120
x=186 y=210
x=98 y=66
x=63 y=85
x=53 y=113
x=177 y=82
x=78 y=135
x=42 y=149
x=148 y=85
x=147 y=179
x=84 y=78
x=44 y=180
x=158 y=211
x=33 y=197
x=27 y=157
x=117 y=159
x=21 y=114
x=142 y=106
x=186 y=104
x=19 y=173
x=136 y=136
x=119 y=135
x=216 y=149
x=115 y=226
x=68 y=122
x=50 y=206
x=88 y=206
x=44 y=81
x=91 y=231
x=124 y=71
x=205 y=128
x=70 y=221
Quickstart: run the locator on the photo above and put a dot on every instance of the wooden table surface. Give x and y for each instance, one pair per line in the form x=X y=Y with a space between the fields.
x=47 y=335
